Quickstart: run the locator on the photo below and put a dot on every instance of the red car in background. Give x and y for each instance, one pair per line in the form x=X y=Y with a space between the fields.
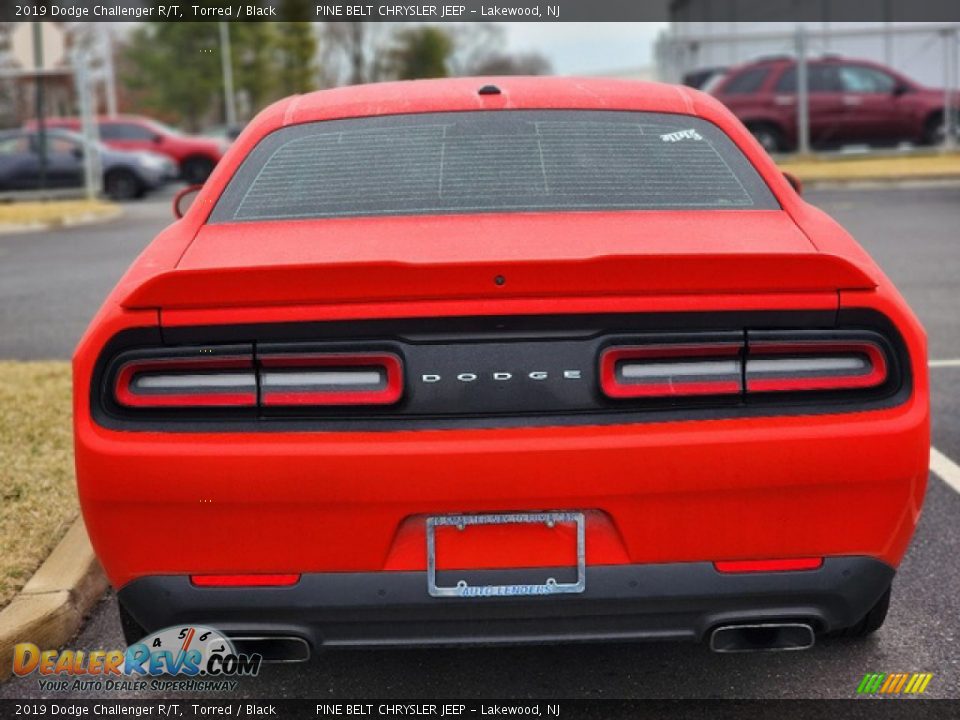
x=502 y=360
x=195 y=156
x=851 y=101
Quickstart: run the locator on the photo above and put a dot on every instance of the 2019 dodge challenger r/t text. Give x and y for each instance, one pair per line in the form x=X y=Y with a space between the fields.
x=502 y=360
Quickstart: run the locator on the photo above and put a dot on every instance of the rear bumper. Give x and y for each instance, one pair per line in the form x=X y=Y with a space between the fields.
x=673 y=601
x=353 y=503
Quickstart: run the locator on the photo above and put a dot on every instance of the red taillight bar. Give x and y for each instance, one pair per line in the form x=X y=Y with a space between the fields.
x=803 y=365
x=754 y=566
x=216 y=381
x=331 y=379
x=704 y=364
x=649 y=371
x=245 y=580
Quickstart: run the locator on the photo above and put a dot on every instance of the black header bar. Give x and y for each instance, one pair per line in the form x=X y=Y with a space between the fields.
x=484 y=10
x=189 y=708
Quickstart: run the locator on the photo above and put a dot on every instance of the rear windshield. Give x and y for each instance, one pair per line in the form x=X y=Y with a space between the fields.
x=492 y=161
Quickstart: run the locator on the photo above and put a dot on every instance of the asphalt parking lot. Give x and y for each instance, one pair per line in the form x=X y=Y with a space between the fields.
x=51 y=283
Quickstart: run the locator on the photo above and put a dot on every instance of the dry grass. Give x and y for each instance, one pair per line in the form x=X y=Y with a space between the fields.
x=54 y=211
x=875 y=168
x=38 y=499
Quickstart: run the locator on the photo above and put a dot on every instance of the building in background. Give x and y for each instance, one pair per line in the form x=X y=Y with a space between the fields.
x=925 y=52
x=18 y=72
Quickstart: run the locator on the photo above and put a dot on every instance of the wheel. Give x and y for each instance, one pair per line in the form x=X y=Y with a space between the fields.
x=132 y=630
x=196 y=170
x=122 y=185
x=769 y=136
x=870 y=622
x=935 y=130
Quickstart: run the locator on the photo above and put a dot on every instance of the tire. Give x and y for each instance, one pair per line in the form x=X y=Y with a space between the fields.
x=122 y=185
x=869 y=623
x=196 y=170
x=935 y=129
x=132 y=630
x=769 y=136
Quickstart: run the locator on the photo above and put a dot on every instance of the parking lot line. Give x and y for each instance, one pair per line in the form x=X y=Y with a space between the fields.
x=944 y=363
x=945 y=468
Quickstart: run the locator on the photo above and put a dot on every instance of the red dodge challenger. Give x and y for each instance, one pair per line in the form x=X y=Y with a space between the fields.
x=502 y=360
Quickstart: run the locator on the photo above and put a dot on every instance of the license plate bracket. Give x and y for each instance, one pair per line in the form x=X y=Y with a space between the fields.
x=463 y=589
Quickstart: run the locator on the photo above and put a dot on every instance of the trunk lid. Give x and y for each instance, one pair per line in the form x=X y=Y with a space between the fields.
x=496 y=256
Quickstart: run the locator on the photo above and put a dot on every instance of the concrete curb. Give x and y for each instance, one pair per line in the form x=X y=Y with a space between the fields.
x=50 y=608
x=882 y=183
x=67 y=221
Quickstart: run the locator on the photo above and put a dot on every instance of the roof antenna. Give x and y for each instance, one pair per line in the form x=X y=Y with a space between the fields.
x=489 y=90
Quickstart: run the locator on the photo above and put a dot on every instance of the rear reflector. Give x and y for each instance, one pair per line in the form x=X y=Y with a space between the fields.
x=752 y=566
x=244 y=580
x=803 y=365
x=649 y=371
x=216 y=381
x=331 y=379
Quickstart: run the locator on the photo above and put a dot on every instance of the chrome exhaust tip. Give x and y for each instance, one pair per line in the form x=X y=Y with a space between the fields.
x=762 y=637
x=273 y=648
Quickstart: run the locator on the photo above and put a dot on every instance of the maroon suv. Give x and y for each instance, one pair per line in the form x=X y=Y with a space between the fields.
x=850 y=101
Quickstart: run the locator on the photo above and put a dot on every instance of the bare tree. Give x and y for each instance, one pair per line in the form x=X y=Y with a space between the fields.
x=355 y=52
x=473 y=44
x=481 y=49
x=505 y=64
x=362 y=52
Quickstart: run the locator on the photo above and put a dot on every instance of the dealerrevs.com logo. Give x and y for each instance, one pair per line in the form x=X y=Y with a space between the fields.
x=188 y=658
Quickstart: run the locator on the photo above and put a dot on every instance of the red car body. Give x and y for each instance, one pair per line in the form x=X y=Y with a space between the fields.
x=195 y=156
x=850 y=101
x=696 y=515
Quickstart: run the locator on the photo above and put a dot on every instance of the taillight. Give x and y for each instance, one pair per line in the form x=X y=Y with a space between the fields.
x=803 y=365
x=651 y=371
x=768 y=362
x=330 y=379
x=187 y=382
x=214 y=377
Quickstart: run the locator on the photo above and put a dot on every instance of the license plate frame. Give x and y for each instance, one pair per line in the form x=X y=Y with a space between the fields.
x=464 y=590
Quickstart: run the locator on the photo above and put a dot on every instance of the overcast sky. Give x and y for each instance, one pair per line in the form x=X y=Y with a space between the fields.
x=587 y=47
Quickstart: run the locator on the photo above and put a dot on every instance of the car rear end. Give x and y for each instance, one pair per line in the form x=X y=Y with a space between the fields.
x=621 y=409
